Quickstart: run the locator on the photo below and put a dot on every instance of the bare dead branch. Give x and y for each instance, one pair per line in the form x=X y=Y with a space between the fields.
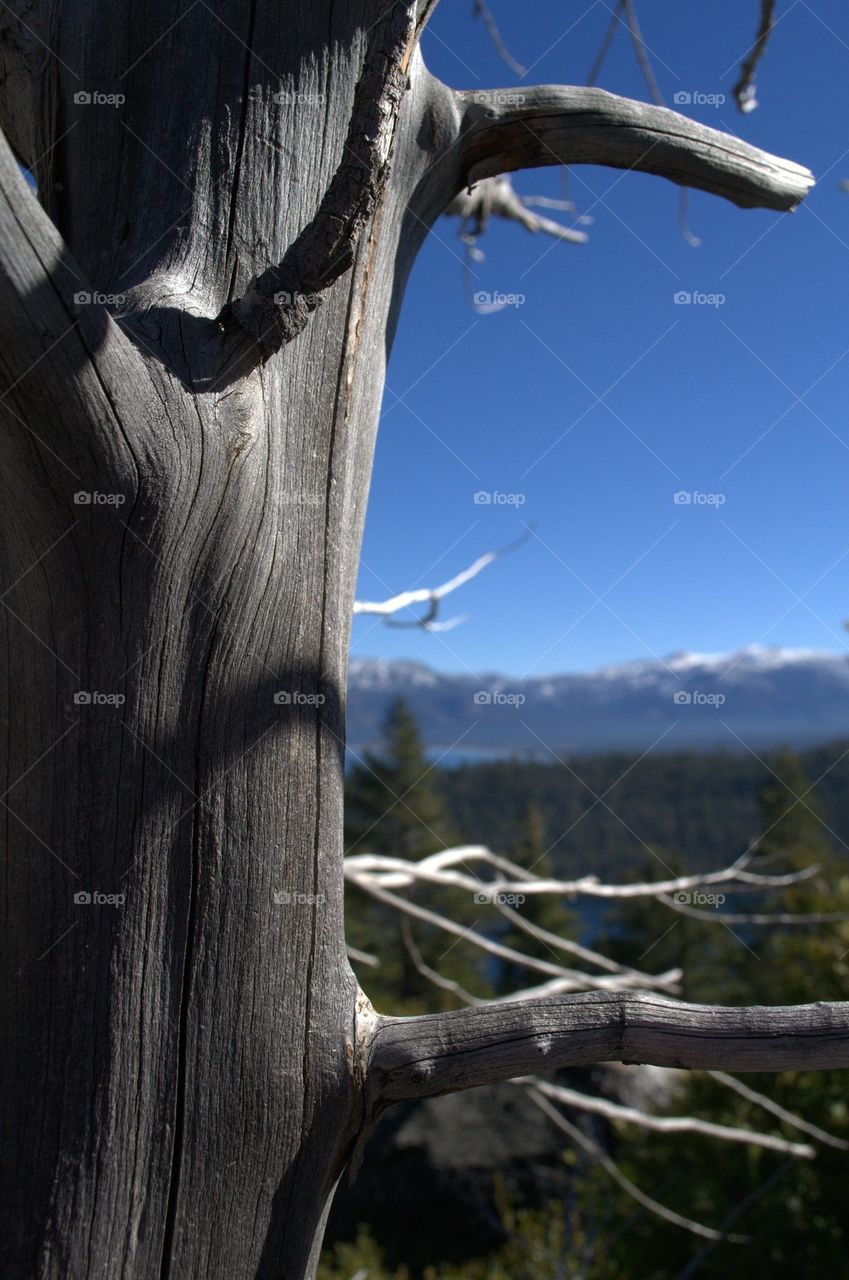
x=506 y=130
x=620 y=1113
x=432 y=596
x=752 y=917
x=557 y=943
x=612 y=1169
x=481 y=10
x=638 y=1115
x=432 y=975
x=440 y=1053
x=644 y=1083
x=567 y=979
x=745 y=90
x=781 y=1113
x=639 y=46
x=496 y=198
x=670 y=1124
x=641 y=52
x=278 y=303
x=607 y=41
x=377 y=869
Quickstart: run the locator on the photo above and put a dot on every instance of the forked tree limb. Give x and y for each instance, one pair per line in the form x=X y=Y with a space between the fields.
x=508 y=129
x=496 y=131
x=278 y=303
x=496 y=198
x=442 y=1053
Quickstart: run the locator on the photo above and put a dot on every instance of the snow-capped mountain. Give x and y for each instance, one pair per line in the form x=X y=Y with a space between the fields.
x=754 y=697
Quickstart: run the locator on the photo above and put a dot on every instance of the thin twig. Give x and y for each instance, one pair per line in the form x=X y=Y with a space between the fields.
x=607 y=41
x=481 y=10
x=781 y=1113
x=670 y=1124
x=745 y=89
x=433 y=595
x=642 y=56
x=610 y=1167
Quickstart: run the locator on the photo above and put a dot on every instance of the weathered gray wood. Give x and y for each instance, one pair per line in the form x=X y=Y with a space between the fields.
x=179 y=1090
x=440 y=1053
x=183 y=1078
x=522 y=127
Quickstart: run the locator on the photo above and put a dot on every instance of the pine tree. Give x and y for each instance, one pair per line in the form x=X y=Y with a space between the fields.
x=392 y=803
x=791 y=826
x=541 y=910
x=801 y=1226
x=393 y=806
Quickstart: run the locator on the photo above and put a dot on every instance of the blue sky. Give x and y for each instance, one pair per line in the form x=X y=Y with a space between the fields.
x=747 y=399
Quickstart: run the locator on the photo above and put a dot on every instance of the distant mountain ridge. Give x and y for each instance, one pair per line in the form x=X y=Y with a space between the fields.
x=754 y=697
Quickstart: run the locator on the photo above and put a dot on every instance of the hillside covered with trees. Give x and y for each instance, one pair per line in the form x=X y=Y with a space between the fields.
x=506 y=1199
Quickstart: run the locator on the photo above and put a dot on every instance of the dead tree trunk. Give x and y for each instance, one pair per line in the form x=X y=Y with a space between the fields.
x=193 y=330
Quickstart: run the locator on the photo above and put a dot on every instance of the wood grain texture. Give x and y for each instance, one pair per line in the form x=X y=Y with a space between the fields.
x=184 y=1076
x=440 y=1053
x=508 y=129
x=179 y=1090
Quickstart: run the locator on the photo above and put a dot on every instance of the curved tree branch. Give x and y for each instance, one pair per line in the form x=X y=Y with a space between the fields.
x=565 y=979
x=498 y=131
x=278 y=303
x=506 y=129
x=441 y=1053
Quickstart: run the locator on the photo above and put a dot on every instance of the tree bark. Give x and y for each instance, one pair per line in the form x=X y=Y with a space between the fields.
x=184 y=1075
x=441 y=1053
